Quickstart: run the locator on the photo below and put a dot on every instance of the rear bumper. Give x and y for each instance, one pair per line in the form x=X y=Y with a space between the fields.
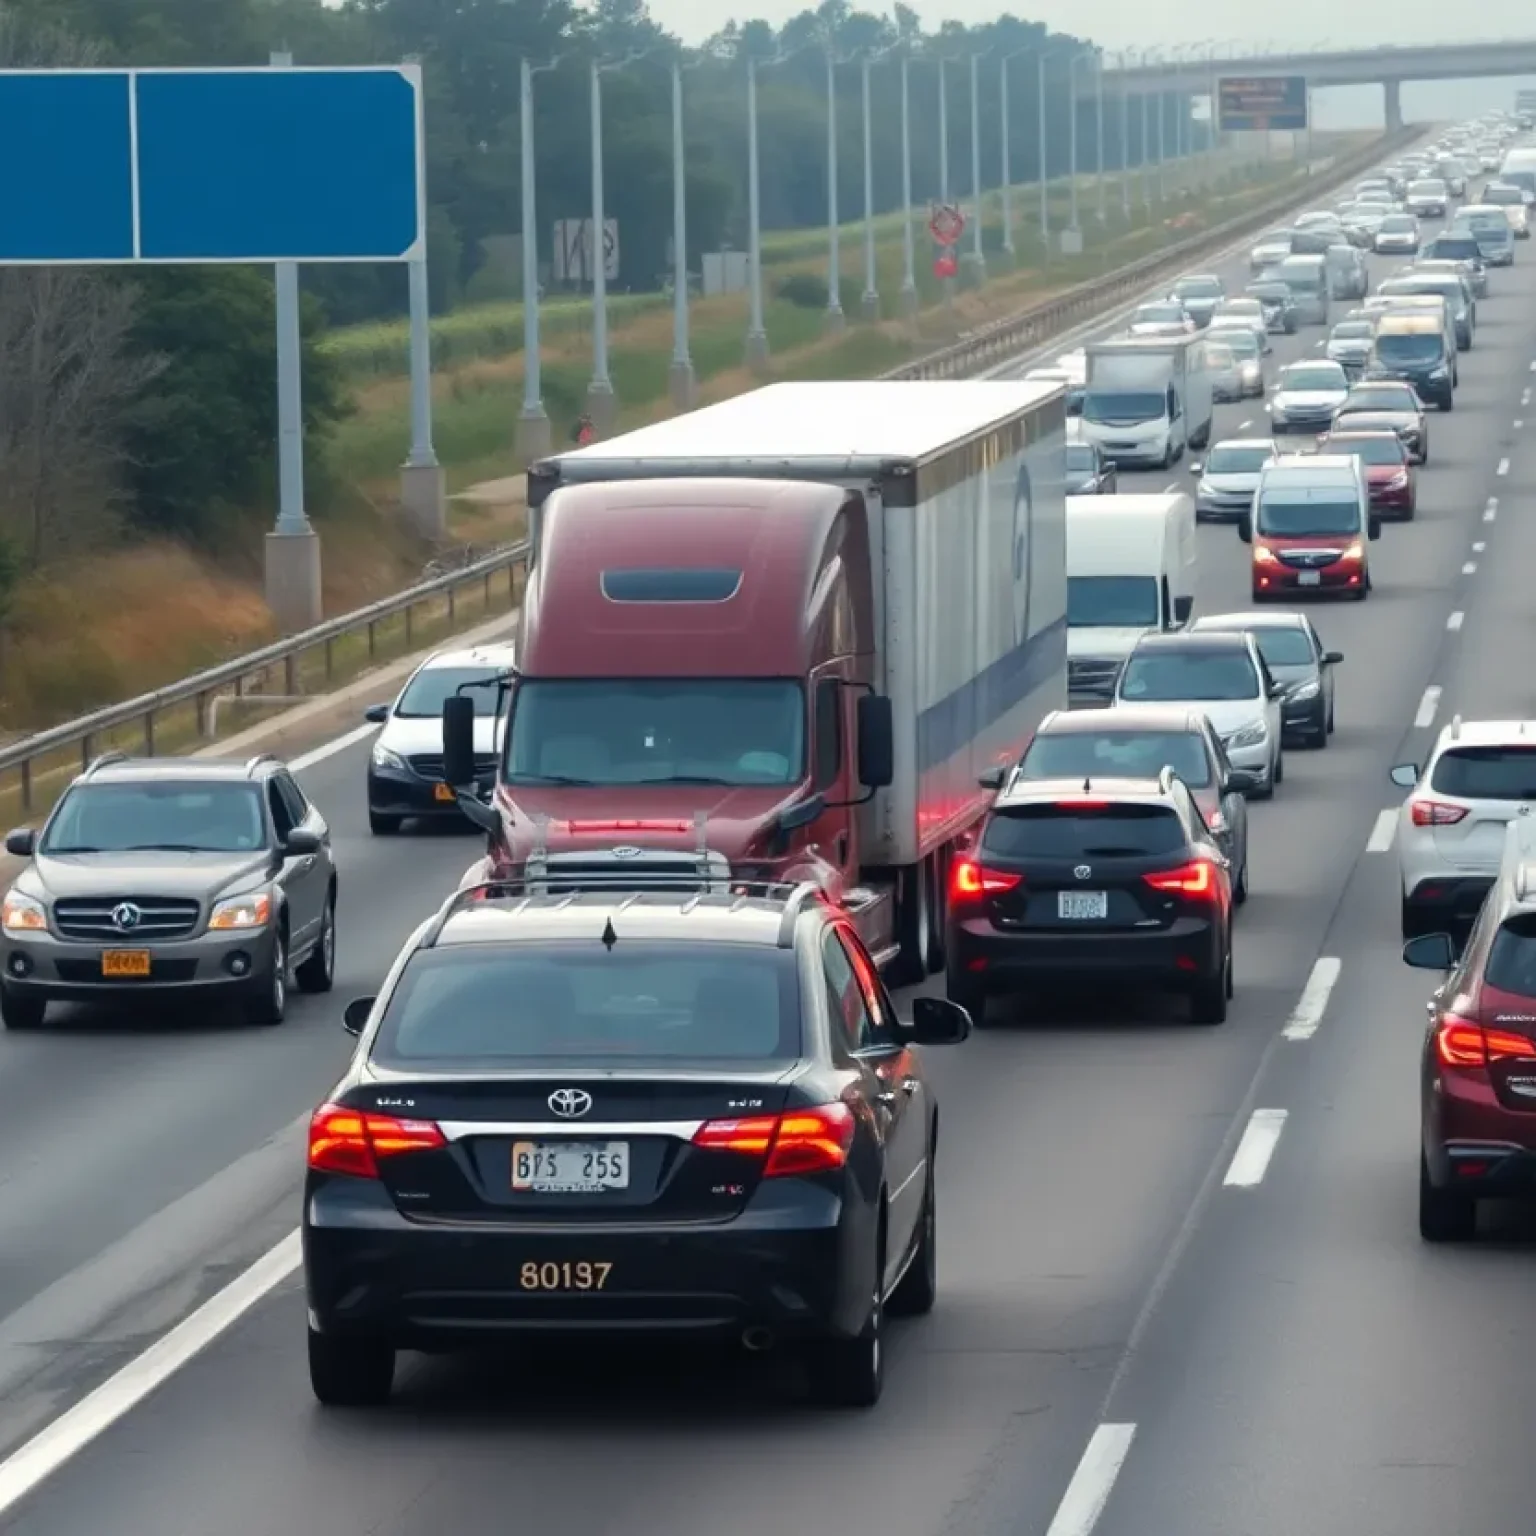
x=1307 y=719
x=798 y=1260
x=1452 y=900
x=1393 y=503
x=999 y=963
x=1473 y=1143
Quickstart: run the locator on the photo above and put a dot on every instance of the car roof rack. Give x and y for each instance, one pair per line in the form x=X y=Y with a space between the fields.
x=105 y=760
x=795 y=896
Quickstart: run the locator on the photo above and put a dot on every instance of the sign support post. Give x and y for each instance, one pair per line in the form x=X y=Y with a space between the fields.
x=423 y=483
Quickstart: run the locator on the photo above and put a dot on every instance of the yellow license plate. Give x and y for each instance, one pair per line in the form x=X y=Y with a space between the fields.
x=125 y=962
x=565 y=1275
x=443 y=791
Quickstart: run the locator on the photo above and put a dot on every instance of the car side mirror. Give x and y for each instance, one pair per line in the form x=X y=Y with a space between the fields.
x=21 y=843
x=1405 y=775
x=1332 y=658
x=1373 y=527
x=355 y=1015
x=1275 y=691
x=376 y=714
x=1241 y=782
x=1430 y=952
x=801 y=814
x=877 y=741
x=459 y=741
x=1245 y=528
x=300 y=841
x=937 y=1021
x=1196 y=467
x=992 y=779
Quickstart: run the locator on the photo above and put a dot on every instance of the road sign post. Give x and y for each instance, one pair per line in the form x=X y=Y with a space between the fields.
x=250 y=165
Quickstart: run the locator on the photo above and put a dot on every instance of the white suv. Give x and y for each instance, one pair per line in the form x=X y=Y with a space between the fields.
x=1480 y=776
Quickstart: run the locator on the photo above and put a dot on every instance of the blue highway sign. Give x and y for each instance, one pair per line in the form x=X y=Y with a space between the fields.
x=1258 y=103
x=240 y=165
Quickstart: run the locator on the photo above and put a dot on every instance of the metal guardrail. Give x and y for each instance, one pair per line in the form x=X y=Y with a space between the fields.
x=88 y=733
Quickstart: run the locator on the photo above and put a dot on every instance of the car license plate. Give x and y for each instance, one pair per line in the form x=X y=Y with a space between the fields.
x=442 y=792
x=1309 y=578
x=125 y=962
x=564 y=1274
x=570 y=1167
x=1082 y=905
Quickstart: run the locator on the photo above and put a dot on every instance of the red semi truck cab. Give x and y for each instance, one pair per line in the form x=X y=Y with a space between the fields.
x=751 y=648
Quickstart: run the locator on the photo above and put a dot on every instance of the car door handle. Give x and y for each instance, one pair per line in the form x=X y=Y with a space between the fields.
x=909 y=1086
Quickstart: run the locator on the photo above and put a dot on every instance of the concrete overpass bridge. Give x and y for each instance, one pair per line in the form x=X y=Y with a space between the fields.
x=1195 y=72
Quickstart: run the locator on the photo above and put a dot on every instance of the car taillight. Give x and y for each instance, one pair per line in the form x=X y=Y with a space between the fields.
x=1435 y=813
x=1197 y=878
x=343 y=1140
x=1461 y=1043
x=800 y=1141
x=970 y=879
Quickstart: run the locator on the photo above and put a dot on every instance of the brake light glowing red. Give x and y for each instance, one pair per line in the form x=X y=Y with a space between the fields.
x=1461 y=1043
x=629 y=826
x=968 y=879
x=1078 y=803
x=1435 y=813
x=343 y=1140
x=800 y=1141
x=1197 y=878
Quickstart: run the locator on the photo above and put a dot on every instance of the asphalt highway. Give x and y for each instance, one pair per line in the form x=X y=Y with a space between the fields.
x=1179 y=1267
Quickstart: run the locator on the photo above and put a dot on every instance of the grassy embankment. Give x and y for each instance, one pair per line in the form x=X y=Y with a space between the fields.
x=131 y=619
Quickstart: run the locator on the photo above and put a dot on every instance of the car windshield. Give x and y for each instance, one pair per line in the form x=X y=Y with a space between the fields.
x=1380 y=397
x=1118 y=754
x=636 y=1000
x=1193 y=676
x=1080 y=456
x=1284 y=647
x=657 y=731
x=1377 y=449
x=1486 y=773
x=1198 y=288
x=179 y=815
x=1284 y=518
x=1353 y=330
x=1275 y=293
x=1124 y=405
x=1160 y=312
x=1426 y=189
x=1502 y=195
x=1409 y=346
x=1454 y=248
x=1399 y=224
x=1225 y=460
x=1219 y=355
x=1240 y=341
x=1111 y=602
x=432 y=687
x=1491 y=221
x=1306 y=378
x=1511 y=963
x=1074 y=831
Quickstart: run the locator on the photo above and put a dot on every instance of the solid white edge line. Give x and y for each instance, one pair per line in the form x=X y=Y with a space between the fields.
x=1427 y=707
x=331 y=748
x=1383 y=830
x=1503 y=468
x=1093 y=1481
x=1455 y=621
x=48 y=1450
x=1313 y=1002
x=1470 y=568
x=1260 y=1138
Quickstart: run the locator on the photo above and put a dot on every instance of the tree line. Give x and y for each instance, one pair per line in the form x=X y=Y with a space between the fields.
x=145 y=399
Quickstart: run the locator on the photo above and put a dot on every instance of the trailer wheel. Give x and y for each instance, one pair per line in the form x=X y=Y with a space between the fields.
x=938 y=905
x=914 y=926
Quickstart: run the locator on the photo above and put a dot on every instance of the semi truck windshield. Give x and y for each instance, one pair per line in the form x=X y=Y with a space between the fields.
x=626 y=730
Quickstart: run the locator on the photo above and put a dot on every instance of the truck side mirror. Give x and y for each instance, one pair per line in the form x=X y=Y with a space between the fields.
x=992 y=779
x=877 y=742
x=1182 y=608
x=459 y=741
x=1245 y=528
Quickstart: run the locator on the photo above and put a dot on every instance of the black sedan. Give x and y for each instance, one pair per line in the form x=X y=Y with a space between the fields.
x=626 y=1109
x=1089 y=473
x=1294 y=653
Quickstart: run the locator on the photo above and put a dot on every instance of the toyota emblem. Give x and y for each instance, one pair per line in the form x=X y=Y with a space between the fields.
x=570 y=1103
x=126 y=916
x=626 y=852
x=1082 y=871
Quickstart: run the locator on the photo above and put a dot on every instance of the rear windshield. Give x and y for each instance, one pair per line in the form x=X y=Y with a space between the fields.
x=1511 y=965
x=1193 y=677
x=1243 y=341
x=1238 y=461
x=1380 y=449
x=1284 y=647
x=1487 y=773
x=1377 y=397
x=1302 y=378
x=1112 y=602
x=637 y=1001
x=1455 y=248
x=1070 y=832
x=1118 y=754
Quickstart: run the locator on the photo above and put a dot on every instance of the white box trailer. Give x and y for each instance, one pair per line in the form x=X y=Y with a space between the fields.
x=961 y=485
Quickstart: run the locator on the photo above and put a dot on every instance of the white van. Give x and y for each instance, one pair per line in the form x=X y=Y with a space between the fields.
x=1131 y=563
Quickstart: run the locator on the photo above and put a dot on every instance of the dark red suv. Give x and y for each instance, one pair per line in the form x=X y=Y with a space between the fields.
x=1478 y=1084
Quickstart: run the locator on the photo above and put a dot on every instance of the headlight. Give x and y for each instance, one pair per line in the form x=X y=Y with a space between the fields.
x=1354 y=552
x=250 y=911
x=1304 y=691
x=1252 y=735
x=384 y=758
x=22 y=914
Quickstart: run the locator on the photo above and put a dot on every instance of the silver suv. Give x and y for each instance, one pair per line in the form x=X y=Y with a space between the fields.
x=168 y=878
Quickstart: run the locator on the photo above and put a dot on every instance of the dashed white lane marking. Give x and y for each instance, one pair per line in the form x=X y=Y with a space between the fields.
x=1455 y=621
x=1382 y=832
x=1313 y=1002
x=1243 y=426
x=1525 y=397
x=1094 y=1481
x=96 y=1413
x=1533 y=367
x=331 y=748
x=1491 y=511
x=1427 y=707
x=1470 y=568
x=1260 y=1138
x=1478 y=548
x=1503 y=468
x=1518 y=423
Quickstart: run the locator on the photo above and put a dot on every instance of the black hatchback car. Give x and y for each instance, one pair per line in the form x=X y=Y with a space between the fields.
x=1106 y=880
x=626 y=1111
x=1089 y=473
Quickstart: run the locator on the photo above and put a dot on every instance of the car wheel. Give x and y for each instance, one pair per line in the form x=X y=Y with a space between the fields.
x=850 y=1373
x=383 y=826
x=318 y=972
x=919 y=1287
x=1330 y=720
x=18 y=1012
x=1208 y=1001
x=350 y=1373
x=1445 y=1215
x=1279 y=772
x=1240 y=889
x=270 y=1005
x=1447 y=404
